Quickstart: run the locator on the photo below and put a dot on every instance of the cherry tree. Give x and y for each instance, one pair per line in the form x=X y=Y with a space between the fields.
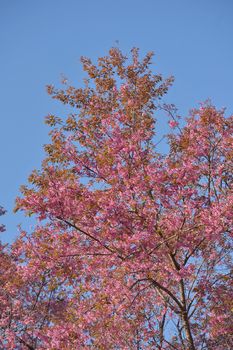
x=6 y=269
x=133 y=247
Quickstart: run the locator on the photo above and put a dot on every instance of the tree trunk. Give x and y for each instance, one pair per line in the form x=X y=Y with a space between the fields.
x=188 y=331
x=185 y=318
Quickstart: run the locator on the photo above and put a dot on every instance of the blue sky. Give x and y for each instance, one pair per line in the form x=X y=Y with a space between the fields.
x=40 y=40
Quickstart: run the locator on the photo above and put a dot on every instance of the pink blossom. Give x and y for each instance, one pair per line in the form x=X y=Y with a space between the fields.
x=173 y=123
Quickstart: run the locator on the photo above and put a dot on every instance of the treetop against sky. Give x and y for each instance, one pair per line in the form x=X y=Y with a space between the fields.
x=192 y=40
x=133 y=246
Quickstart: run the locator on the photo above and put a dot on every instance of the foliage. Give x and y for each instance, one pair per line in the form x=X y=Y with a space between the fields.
x=132 y=250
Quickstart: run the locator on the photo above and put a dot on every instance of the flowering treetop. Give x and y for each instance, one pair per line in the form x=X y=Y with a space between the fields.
x=132 y=250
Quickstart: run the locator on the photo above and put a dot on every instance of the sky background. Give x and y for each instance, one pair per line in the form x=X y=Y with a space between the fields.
x=41 y=40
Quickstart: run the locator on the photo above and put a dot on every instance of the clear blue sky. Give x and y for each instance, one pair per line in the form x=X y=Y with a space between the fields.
x=40 y=40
